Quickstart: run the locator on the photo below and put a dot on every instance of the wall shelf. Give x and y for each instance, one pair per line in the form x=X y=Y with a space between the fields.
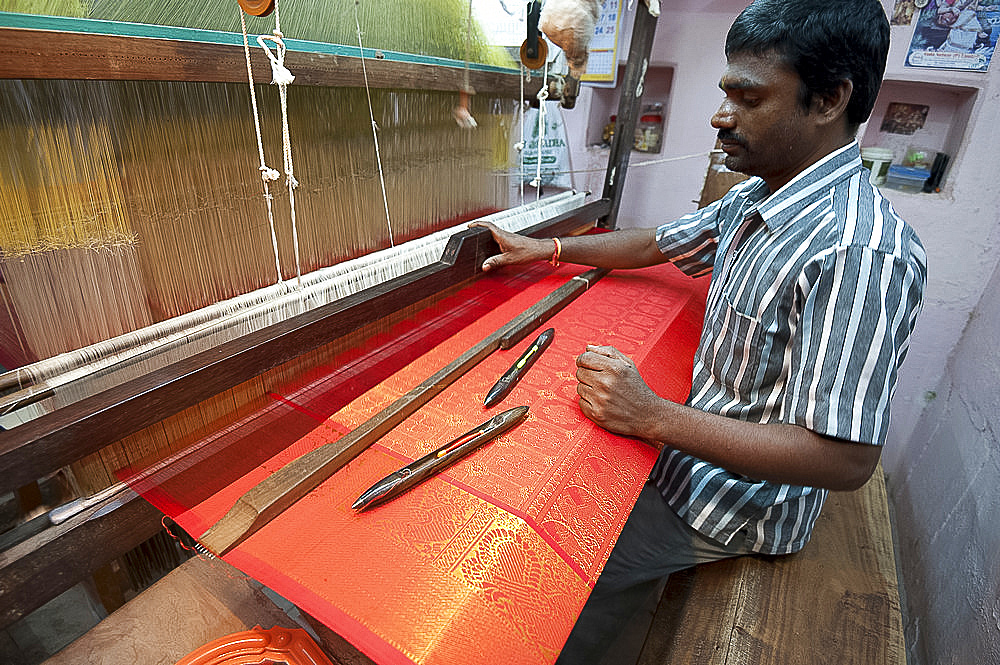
x=950 y=106
x=604 y=103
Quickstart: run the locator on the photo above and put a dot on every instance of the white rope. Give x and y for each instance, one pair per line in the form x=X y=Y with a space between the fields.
x=678 y=158
x=371 y=114
x=651 y=162
x=525 y=72
x=525 y=76
x=543 y=94
x=267 y=174
x=282 y=78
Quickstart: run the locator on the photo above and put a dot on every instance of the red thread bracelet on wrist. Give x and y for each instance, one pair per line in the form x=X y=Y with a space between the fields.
x=555 y=255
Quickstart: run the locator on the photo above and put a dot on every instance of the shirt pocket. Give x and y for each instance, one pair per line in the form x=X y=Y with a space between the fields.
x=738 y=350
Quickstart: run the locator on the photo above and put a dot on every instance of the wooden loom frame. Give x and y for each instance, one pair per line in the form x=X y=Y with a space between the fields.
x=55 y=558
x=53 y=47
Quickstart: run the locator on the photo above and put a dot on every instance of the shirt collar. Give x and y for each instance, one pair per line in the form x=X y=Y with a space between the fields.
x=811 y=184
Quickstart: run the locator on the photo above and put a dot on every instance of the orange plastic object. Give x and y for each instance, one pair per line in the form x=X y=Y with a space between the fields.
x=257 y=646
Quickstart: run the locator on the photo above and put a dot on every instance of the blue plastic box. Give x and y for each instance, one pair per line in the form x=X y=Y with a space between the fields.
x=906 y=178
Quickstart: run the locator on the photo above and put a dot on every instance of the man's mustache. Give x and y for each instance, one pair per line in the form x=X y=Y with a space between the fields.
x=730 y=136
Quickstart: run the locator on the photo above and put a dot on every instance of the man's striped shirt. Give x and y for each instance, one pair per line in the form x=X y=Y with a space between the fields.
x=815 y=290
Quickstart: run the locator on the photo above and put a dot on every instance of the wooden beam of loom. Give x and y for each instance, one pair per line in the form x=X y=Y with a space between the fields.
x=72 y=49
x=45 y=444
x=643 y=33
x=44 y=565
x=280 y=490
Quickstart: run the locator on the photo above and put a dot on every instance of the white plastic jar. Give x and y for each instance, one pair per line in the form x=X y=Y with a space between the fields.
x=877 y=160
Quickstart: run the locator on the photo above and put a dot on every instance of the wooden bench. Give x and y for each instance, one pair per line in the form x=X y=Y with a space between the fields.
x=834 y=602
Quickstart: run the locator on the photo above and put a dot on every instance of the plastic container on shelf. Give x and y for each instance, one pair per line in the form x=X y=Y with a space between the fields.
x=919 y=158
x=877 y=160
x=649 y=129
x=906 y=178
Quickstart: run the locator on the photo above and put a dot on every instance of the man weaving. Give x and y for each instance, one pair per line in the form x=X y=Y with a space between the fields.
x=815 y=287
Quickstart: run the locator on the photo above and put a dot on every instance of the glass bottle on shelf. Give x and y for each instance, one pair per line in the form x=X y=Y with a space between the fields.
x=609 y=131
x=649 y=129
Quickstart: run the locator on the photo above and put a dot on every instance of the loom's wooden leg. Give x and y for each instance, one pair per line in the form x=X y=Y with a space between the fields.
x=109 y=580
x=29 y=498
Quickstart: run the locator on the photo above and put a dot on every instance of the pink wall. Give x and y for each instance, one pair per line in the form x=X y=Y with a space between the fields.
x=943 y=457
x=691 y=44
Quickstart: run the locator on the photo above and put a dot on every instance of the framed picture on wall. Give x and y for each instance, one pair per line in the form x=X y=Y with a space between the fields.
x=955 y=34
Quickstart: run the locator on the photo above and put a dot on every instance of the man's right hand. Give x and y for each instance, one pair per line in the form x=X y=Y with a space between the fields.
x=515 y=249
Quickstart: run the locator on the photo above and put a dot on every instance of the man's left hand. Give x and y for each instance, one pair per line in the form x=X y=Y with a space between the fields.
x=612 y=392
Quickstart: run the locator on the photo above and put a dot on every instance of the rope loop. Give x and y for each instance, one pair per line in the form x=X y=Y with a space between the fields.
x=267 y=174
x=280 y=74
x=282 y=78
x=543 y=94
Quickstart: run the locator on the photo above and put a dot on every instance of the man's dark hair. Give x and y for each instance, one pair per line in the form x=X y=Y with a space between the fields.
x=824 y=41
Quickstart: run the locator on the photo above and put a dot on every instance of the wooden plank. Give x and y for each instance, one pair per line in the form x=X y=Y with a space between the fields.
x=49 y=442
x=293 y=481
x=718 y=179
x=46 y=54
x=200 y=601
x=643 y=32
x=43 y=566
x=836 y=601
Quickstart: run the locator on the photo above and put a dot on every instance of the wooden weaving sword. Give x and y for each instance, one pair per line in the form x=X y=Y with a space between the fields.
x=280 y=490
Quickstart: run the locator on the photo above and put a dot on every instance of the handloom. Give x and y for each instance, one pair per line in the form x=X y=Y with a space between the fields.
x=152 y=210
